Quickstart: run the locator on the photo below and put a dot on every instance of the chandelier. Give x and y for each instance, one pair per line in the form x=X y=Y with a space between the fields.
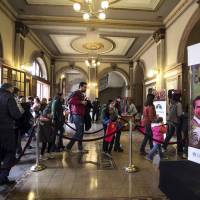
x=92 y=62
x=91 y=8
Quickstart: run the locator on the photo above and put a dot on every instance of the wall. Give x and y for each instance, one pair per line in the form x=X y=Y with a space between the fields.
x=7 y=30
x=174 y=34
x=115 y=80
x=150 y=59
x=109 y=93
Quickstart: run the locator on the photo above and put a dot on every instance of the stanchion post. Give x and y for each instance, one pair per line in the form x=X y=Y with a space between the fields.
x=131 y=168
x=37 y=167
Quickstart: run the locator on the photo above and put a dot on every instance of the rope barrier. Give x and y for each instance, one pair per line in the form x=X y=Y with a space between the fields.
x=139 y=128
x=86 y=133
x=93 y=139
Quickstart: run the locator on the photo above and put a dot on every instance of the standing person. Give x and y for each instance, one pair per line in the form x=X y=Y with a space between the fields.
x=78 y=104
x=36 y=107
x=109 y=114
x=149 y=114
x=174 y=122
x=118 y=105
x=96 y=108
x=131 y=109
x=9 y=112
x=88 y=120
x=58 y=120
x=43 y=104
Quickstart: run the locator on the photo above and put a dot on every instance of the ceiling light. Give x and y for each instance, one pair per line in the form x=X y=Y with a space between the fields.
x=104 y=4
x=77 y=7
x=102 y=16
x=86 y=16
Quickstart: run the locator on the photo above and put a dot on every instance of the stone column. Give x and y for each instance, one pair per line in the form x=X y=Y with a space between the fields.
x=131 y=78
x=52 y=78
x=159 y=38
x=21 y=31
x=92 y=85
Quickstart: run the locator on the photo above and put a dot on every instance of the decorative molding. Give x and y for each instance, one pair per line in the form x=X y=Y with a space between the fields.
x=38 y=43
x=21 y=28
x=74 y=21
x=150 y=81
x=143 y=49
x=159 y=35
x=173 y=71
x=8 y=10
x=177 y=11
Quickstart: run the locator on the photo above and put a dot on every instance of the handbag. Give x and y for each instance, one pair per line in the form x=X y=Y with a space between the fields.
x=111 y=128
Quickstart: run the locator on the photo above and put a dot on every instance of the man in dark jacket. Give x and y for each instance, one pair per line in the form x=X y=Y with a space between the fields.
x=96 y=108
x=9 y=112
x=78 y=104
x=58 y=119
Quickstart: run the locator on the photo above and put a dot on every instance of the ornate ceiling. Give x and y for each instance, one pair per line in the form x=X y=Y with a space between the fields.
x=128 y=25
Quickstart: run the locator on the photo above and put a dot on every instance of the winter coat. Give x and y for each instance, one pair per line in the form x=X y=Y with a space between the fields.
x=149 y=114
x=9 y=112
x=74 y=101
x=158 y=130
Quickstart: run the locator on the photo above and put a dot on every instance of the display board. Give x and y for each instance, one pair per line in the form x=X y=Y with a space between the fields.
x=194 y=131
x=160 y=104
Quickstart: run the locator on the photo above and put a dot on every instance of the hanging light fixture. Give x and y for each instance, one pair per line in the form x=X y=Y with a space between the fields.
x=92 y=8
x=92 y=62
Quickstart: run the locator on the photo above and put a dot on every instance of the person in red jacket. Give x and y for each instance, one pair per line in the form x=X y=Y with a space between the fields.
x=77 y=105
x=149 y=114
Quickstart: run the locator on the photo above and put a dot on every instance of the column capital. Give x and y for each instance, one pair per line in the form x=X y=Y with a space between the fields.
x=131 y=64
x=53 y=61
x=159 y=35
x=114 y=66
x=21 y=28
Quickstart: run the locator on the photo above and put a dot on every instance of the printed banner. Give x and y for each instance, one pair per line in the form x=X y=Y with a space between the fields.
x=194 y=132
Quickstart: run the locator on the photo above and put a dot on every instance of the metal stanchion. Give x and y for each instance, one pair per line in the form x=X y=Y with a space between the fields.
x=37 y=167
x=131 y=168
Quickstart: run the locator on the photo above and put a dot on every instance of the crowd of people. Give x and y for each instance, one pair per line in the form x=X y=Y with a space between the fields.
x=18 y=115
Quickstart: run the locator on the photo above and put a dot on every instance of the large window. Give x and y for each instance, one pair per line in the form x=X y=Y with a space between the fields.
x=43 y=90
x=37 y=69
x=14 y=76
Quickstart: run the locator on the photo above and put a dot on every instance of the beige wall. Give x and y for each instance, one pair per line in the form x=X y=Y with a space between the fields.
x=174 y=34
x=7 y=28
x=150 y=59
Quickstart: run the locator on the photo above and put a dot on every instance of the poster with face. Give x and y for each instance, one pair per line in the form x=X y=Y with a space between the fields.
x=194 y=135
x=194 y=132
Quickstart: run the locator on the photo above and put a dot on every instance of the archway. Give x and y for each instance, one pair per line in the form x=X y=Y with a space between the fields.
x=112 y=83
x=138 y=84
x=190 y=36
x=68 y=79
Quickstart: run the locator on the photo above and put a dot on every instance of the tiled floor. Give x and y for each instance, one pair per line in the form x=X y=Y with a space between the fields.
x=75 y=177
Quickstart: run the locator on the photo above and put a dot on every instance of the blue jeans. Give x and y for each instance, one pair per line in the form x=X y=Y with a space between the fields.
x=79 y=124
x=153 y=151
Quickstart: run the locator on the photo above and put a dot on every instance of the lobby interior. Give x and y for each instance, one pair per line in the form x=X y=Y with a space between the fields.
x=120 y=48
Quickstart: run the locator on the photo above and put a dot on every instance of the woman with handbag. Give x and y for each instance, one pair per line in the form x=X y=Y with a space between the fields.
x=149 y=114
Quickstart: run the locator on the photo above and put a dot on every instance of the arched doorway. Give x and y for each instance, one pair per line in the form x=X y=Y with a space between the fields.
x=68 y=79
x=138 y=85
x=112 y=84
x=189 y=37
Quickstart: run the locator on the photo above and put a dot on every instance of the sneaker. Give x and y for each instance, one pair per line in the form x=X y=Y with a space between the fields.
x=109 y=155
x=43 y=157
x=149 y=159
x=50 y=155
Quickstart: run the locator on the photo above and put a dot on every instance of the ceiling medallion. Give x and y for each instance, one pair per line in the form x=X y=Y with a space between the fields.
x=91 y=8
x=93 y=45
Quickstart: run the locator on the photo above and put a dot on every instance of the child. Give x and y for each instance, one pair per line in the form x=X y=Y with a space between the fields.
x=158 y=130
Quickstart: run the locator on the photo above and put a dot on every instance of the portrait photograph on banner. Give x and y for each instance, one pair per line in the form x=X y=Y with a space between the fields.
x=194 y=133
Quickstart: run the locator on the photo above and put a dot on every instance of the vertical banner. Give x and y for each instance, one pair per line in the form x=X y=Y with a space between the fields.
x=194 y=132
x=160 y=104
